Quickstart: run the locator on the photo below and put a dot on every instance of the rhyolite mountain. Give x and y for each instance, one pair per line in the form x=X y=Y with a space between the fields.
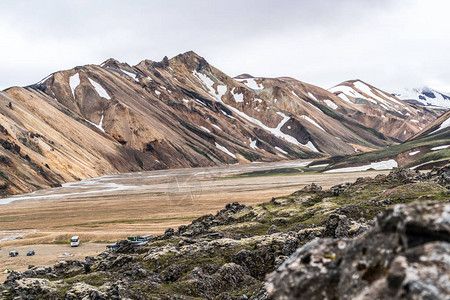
x=425 y=96
x=182 y=112
x=427 y=149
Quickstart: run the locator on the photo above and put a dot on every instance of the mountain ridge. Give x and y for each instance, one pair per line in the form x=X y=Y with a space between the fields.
x=425 y=96
x=182 y=112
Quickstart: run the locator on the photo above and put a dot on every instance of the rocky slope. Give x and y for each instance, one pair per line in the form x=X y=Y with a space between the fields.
x=425 y=96
x=406 y=256
x=429 y=148
x=182 y=112
x=229 y=254
x=382 y=111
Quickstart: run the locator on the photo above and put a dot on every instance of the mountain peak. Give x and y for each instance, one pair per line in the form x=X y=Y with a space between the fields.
x=424 y=96
x=192 y=60
x=112 y=63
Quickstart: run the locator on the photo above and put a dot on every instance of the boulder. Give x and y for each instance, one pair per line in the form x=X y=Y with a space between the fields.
x=405 y=256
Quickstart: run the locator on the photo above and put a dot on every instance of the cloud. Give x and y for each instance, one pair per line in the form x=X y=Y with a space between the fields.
x=389 y=43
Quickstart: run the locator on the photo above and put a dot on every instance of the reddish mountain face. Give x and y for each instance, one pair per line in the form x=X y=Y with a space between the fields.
x=96 y=120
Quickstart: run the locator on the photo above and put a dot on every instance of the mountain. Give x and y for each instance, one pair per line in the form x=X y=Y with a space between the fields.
x=312 y=243
x=425 y=96
x=94 y=120
x=381 y=111
x=425 y=150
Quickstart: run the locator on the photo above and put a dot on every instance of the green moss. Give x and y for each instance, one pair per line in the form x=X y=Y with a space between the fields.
x=62 y=290
x=246 y=229
x=426 y=141
x=95 y=279
x=271 y=172
x=138 y=161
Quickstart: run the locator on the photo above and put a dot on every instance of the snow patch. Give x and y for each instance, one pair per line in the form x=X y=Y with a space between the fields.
x=414 y=153
x=253 y=144
x=205 y=80
x=440 y=147
x=129 y=74
x=225 y=150
x=222 y=90
x=281 y=150
x=99 y=126
x=348 y=91
x=217 y=127
x=238 y=97
x=74 y=81
x=44 y=79
x=344 y=97
x=331 y=104
x=312 y=122
x=368 y=91
x=382 y=165
x=99 y=89
x=312 y=96
x=251 y=83
x=443 y=125
x=205 y=129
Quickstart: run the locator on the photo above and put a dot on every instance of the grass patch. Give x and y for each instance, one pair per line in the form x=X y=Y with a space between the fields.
x=392 y=151
x=271 y=172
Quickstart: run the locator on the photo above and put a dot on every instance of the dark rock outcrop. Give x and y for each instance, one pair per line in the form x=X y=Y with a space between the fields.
x=405 y=256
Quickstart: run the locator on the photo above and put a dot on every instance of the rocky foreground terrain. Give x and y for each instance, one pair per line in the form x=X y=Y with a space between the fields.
x=377 y=238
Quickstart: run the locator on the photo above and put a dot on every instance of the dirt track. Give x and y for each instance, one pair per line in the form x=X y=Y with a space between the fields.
x=112 y=207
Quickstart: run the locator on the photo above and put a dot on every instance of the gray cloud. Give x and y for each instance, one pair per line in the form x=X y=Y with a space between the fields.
x=389 y=43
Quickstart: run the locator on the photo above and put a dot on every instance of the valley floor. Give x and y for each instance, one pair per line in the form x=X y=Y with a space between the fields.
x=112 y=207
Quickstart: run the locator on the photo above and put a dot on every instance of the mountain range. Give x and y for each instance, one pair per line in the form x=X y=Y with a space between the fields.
x=425 y=96
x=110 y=118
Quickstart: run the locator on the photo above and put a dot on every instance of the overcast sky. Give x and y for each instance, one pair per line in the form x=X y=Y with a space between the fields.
x=391 y=44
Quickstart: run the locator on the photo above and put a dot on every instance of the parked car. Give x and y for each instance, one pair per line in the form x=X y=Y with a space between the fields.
x=13 y=253
x=139 y=239
x=74 y=241
x=31 y=253
x=111 y=247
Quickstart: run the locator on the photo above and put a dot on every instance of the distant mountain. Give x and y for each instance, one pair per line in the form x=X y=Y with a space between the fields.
x=382 y=111
x=95 y=120
x=425 y=96
x=427 y=149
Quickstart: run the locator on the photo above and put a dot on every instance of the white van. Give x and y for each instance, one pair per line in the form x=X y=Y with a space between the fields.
x=74 y=241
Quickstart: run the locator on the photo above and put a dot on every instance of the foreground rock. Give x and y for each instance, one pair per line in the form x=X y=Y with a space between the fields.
x=228 y=255
x=405 y=256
